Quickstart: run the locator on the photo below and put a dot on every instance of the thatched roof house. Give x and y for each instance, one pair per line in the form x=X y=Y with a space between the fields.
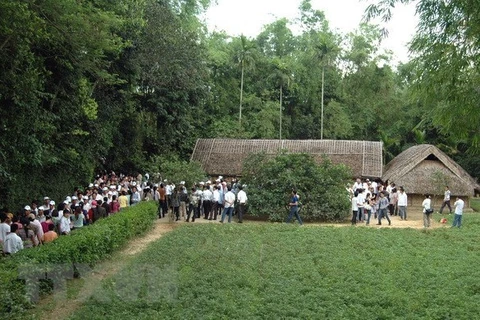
x=426 y=169
x=225 y=156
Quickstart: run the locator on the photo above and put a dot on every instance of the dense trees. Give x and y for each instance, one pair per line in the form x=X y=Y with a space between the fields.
x=95 y=85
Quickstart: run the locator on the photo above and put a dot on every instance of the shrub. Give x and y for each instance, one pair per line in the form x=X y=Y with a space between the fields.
x=321 y=187
x=84 y=246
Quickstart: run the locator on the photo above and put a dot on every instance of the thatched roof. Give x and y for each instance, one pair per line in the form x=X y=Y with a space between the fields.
x=426 y=169
x=225 y=156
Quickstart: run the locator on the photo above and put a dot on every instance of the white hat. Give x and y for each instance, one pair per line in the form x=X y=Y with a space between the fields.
x=27 y=208
x=52 y=203
x=68 y=199
x=96 y=184
x=134 y=183
x=90 y=185
x=41 y=208
x=112 y=186
x=110 y=192
x=165 y=180
x=105 y=189
x=208 y=182
x=182 y=182
x=66 y=202
x=220 y=177
x=218 y=180
x=85 y=198
x=46 y=198
x=74 y=198
x=201 y=183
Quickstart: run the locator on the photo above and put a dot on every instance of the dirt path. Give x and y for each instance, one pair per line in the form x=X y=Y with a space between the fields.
x=63 y=304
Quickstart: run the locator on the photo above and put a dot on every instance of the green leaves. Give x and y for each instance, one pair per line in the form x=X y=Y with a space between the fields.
x=277 y=271
x=84 y=246
x=321 y=186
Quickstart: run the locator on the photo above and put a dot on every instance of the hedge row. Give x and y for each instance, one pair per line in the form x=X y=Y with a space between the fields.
x=82 y=248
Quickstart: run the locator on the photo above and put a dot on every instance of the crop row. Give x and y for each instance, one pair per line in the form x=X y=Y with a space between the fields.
x=278 y=271
x=33 y=272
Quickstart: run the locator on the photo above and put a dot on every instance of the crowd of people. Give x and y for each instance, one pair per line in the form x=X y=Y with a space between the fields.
x=383 y=200
x=42 y=222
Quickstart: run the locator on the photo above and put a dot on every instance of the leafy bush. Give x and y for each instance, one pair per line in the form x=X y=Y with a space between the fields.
x=321 y=187
x=177 y=170
x=85 y=246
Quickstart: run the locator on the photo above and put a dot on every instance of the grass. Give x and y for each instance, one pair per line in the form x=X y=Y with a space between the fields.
x=277 y=271
x=475 y=204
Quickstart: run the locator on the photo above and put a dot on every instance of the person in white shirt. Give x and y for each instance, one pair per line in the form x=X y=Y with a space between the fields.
x=13 y=243
x=242 y=201
x=459 y=204
x=64 y=225
x=360 y=204
x=207 y=201
x=354 y=207
x=41 y=214
x=215 y=203
x=427 y=207
x=402 y=203
x=357 y=185
x=4 y=228
x=229 y=204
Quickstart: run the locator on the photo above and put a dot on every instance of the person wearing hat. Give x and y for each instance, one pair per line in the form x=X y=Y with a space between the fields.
x=46 y=202
x=41 y=214
x=37 y=229
x=26 y=211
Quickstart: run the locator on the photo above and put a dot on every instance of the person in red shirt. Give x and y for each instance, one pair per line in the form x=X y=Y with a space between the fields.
x=114 y=205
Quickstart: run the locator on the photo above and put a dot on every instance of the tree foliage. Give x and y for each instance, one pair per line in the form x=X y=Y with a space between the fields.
x=321 y=187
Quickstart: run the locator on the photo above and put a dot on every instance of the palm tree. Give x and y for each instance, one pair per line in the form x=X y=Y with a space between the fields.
x=246 y=60
x=325 y=50
x=282 y=78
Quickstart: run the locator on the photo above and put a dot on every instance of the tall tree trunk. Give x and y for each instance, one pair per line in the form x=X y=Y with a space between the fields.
x=323 y=88
x=281 y=98
x=241 y=94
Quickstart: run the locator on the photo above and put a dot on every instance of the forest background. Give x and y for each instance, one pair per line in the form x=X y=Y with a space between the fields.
x=128 y=85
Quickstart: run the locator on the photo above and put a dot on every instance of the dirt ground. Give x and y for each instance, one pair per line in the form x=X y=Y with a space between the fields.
x=56 y=304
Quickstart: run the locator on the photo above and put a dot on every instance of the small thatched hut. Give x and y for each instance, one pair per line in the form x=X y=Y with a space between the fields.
x=426 y=169
x=225 y=156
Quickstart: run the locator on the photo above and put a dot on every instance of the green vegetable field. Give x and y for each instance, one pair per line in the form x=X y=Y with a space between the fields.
x=278 y=271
